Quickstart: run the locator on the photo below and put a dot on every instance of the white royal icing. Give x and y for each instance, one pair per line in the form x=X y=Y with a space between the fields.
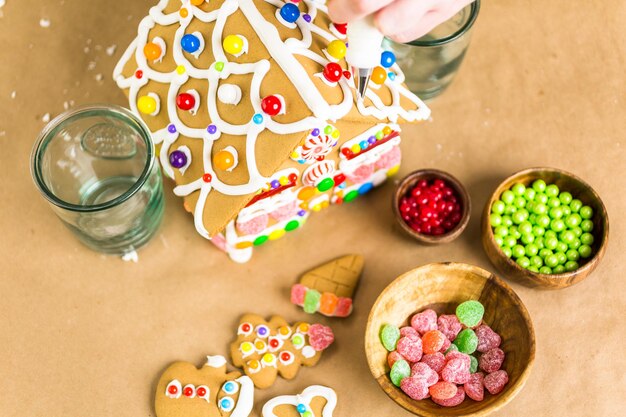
x=216 y=361
x=305 y=399
x=244 y=405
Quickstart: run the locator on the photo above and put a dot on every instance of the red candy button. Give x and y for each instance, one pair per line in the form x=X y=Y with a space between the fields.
x=271 y=105
x=332 y=72
x=185 y=101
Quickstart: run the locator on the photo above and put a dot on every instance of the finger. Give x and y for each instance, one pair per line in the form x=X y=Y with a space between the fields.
x=400 y=17
x=345 y=11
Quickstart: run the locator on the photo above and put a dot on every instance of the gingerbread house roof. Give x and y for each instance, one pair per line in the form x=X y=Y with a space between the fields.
x=198 y=73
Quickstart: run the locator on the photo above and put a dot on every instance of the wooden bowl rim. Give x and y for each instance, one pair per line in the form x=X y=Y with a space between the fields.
x=589 y=264
x=512 y=391
x=456 y=185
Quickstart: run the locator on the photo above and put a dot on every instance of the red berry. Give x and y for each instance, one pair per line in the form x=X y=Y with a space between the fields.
x=271 y=105
x=332 y=72
x=422 y=183
x=185 y=101
x=439 y=183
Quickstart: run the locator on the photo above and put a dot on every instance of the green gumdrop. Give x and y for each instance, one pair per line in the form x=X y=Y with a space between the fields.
x=473 y=364
x=312 y=301
x=452 y=348
x=389 y=336
x=399 y=371
x=466 y=341
x=470 y=313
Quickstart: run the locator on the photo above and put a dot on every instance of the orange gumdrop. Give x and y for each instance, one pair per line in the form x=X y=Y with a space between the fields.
x=152 y=51
x=305 y=193
x=379 y=75
x=328 y=303
x=432 y=341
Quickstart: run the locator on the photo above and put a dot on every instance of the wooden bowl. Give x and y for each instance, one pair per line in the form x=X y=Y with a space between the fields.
x=579 y=189
x=431 y=174
x=443 y=286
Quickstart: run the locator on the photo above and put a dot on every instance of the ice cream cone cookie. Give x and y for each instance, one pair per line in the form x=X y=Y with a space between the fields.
x=314 y=401
x=211 y=391
x=266 y=349
x=328 y=289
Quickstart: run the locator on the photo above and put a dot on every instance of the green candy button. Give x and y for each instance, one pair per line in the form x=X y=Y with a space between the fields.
x=260 y=240
x=292 y=225
x=326 y=184
x=351 y=196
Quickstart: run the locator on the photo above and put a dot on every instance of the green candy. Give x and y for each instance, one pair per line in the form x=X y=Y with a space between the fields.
x=561 y=257
x=551 y=261
x=565 y=197
x=550 y=242
x=573 y=220
x=554 y=202
x=470 y=313
x=499 y=240
x=501 y=231
x=545 y=270
x=543 y=221
x=389 y=336
x=541 y=198
x=473 y=360
x=561 y=247
x=495 y=220
x=577 y=231
x=556 y=213
x=559 y=269
x=568 y=237
x=452 y=348
x=533 y=268
x=531 y=250
x=584 y=251
x=552 y=190
x=510 y=241
x=498 y=207
x=524 y=262
x=400 y=370
x=557 y=225
x=572 y=255
x=575 y=244
x=519 y=189
x=528 y=238
x=571 y=266
x=520 y=202
x=507 y=251
x=508 y=197
x=586 y=239
x=586 y=212
x=539 y=186
x=312 y=302
x=536 y=261
x=586 y=225
x=544 y=253
x=540 y=209
x=539 y=231
x=518 y=251
x=576 y=205
x=525 y=227
x=467 y=341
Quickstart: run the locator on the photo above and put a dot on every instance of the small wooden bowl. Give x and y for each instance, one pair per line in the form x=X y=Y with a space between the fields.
x=443 y=286
x=431 y=174
x=580 y=190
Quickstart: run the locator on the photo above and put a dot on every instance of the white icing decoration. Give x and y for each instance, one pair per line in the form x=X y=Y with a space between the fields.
x=304 y=398
x=201 y=47
x=317 y=172
x=284 y=54
x=158 y=103
x=216 y=361
x=283 y=105
x=308 y=352
x=229 y=94
x=179 y=389
x=245 y=402
x=159 y=41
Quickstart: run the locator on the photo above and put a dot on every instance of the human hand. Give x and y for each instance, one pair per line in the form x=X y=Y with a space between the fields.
x=400 y=20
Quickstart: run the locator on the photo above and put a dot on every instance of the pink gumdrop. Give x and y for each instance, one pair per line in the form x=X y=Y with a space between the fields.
x=411 y=348
x=361 y=174
x=389 y=159
x=474 y=386
x=495 y=381
x=344 y=307
x=408 y=331
x=424 y=321
x=285 y=212
x=456 y=371
x=415 y=388
x=446 y=345
x=454 y=401
x=487 y=338
x=320 y=336
x=298 y=291
x=253 y=226
x=421 y=370
x=455 y=354
x=492 y=360
x=435 y=361
x=449 y=325
x=443 y=390
x=393 y=357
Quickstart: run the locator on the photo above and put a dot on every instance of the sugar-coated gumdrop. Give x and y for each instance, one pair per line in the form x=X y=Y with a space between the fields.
x=411 y=348
x=389 y=336
x=474 y=387
x=443 y=390
x=400 y=370
x=451 y=348
x=344 y=307
x=435 y=361
x=320 y=336
x=415 y=388
x=487 y=338
x=424 y=321
x=297 y=294
x=328 y=303
x=449 y=325
x=466 y=341
x=492 y=360
x=446 y=345
x=393 y=357
x=473 y=364
x=312 y=301
x=470 y=313
x=456 y=371
x=408 y=331
x=495 y=381
x=454 y=354
x=421 y=370
x=432 y=341
x=454 y=401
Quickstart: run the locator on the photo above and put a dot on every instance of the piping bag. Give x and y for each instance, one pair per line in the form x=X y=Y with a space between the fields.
x=364 y=49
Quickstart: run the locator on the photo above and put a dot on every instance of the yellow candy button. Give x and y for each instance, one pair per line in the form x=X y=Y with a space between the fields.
x=147 y=104
x=246 y=347
x=277 y=234
x=336 y=49
x=233 y=44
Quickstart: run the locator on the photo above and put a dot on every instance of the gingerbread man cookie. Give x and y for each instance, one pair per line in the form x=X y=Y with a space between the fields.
x=266 y=349
x=315 y=401
x=185 y=391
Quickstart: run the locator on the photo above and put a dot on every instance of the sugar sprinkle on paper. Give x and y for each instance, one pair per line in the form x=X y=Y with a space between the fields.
x=110 y=50
x=45 y=118
x=131 y=256
x=44 y=23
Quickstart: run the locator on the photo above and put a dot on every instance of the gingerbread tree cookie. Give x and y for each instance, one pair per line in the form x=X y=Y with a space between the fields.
x=328 y=289
x=185 y=391
x=314 y=401
x=266 y=349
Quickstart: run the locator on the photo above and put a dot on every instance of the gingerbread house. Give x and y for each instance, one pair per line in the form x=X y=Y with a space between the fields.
x=255 y=115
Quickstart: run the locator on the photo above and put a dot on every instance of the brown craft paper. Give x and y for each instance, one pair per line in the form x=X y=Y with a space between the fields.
x=87 y=334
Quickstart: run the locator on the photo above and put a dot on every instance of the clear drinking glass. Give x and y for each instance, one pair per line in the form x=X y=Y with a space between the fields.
x=96 y=167
x=431 y=62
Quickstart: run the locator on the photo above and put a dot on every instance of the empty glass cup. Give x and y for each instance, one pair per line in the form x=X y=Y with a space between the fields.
x=96 y=167
x=431 y=62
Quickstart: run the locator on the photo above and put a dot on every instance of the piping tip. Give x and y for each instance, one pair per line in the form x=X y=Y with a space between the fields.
x=362 y=79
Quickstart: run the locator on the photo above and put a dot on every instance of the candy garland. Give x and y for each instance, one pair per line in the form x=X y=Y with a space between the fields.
x=282 y=52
